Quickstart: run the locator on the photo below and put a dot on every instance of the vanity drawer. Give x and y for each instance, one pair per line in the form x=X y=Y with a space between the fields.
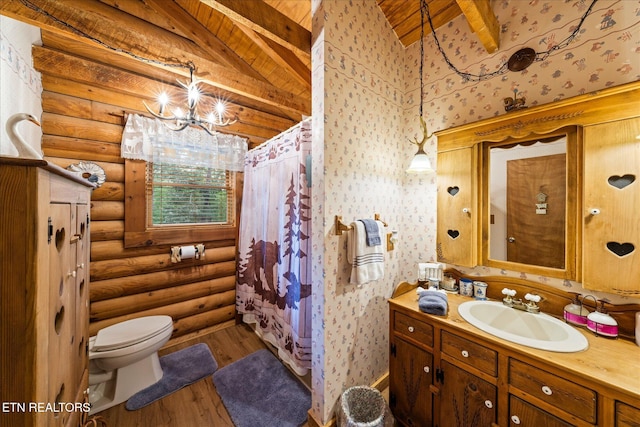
x=627 y=416
x=476 y=355
x=566 y=395
x=413 y=328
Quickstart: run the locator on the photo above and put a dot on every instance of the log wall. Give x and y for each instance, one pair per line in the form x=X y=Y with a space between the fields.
x=83 y=103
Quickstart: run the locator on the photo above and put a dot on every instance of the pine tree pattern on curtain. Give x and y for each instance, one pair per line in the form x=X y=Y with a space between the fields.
x=273 y=286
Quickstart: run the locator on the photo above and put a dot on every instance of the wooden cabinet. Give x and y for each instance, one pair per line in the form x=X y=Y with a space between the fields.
x=457 y=228
x=611 y=249
x=578 y=401
x=627 y=415
x=444 y=372
x=44 y=259
x=464 y=399
x=601 y=244
x=523 y=414
x=410 y=387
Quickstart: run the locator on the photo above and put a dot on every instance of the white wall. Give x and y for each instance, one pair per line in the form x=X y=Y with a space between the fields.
x=20 y=84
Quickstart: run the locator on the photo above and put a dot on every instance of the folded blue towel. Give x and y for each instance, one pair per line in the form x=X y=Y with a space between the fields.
x=372 y=231
x=433 y=302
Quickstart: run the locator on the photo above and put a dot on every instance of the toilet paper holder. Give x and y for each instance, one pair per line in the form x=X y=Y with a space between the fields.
x=178 y=253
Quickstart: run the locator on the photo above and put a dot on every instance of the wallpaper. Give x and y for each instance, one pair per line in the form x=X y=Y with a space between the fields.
x=20 y=83
x=365 y=111
x=362 y=108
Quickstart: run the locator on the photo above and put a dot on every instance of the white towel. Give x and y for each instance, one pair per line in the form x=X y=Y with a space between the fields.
x=367 y=262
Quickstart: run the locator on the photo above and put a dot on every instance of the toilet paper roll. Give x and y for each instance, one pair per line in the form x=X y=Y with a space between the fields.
x=187 y=252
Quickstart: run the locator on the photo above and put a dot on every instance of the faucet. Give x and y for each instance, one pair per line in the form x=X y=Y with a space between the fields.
x=530 y=306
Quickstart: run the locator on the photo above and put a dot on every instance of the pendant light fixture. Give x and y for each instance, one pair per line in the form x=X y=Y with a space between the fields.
x=421 y=162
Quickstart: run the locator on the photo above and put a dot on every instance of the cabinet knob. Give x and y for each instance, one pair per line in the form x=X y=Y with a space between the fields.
x=515 y=419
x=411 y=329
x=547 y=390
x=79 y=266
x=594 y=211
x=465 y=353
x=466 y=210
x=71 y=274
x=488 y=404
x=426 y=369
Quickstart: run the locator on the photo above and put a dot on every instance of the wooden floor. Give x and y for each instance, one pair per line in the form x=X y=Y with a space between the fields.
x=197 y=405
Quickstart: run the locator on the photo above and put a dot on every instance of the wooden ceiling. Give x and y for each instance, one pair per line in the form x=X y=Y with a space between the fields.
x=253 y=53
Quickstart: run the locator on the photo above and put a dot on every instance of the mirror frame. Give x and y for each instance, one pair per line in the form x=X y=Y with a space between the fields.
x=573 y=155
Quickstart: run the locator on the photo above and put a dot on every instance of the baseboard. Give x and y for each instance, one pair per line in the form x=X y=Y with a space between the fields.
x=194 y=335
x=381 y=384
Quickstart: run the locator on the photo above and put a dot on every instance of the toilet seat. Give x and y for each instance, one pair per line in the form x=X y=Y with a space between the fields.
x=130 y=332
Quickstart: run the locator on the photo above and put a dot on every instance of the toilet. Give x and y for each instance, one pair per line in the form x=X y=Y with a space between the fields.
x=123 y=359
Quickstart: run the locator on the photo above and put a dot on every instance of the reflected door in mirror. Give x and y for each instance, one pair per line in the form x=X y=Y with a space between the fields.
x=536 y=190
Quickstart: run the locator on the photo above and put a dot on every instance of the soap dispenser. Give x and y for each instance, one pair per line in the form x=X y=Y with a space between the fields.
x=601 y=323
x=574 y=312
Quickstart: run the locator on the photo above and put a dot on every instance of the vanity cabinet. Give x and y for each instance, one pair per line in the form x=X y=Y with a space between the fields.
x=627 y=416
x=410 y=388
x=457 y=207
x=611 y=249
x=523 y=414
x=44 y=224
x=464 y=398
x=564 y=395
x=482 y=381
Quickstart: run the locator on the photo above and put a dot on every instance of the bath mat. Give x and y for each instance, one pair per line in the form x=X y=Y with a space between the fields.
x=180 y=368
x=259 y=391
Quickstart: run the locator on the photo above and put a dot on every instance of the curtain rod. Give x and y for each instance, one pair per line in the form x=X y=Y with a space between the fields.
x=284 y=132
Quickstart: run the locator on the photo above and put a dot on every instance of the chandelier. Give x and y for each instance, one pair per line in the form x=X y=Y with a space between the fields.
x=179 y=120
x=421 y=162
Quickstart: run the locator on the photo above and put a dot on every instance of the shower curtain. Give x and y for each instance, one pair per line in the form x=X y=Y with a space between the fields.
x=273 y=283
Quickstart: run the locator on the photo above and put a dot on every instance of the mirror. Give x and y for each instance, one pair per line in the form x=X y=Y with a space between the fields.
x=529 y=211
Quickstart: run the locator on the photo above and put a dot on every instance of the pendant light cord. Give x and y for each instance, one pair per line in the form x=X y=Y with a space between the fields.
x=423 y=7
x=540 y=56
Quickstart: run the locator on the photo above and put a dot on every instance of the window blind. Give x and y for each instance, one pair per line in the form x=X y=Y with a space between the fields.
x=178 y=194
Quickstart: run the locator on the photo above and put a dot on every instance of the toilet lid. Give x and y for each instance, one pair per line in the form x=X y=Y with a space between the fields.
x=130 y=332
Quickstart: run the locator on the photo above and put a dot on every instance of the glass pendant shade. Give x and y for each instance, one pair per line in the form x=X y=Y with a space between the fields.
x=420 y=163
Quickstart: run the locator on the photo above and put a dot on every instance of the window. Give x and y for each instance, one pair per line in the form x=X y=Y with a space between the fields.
x=170 y=204
x=180 y=187
x=188 y=195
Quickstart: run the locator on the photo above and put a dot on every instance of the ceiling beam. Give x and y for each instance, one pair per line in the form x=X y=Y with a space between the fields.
x=281 y=56
x=265 y=20
x=120 y=30
x=199 y=34
x=482 y=21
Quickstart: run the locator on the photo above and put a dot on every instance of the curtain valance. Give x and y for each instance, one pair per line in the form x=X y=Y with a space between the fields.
x=149 y=140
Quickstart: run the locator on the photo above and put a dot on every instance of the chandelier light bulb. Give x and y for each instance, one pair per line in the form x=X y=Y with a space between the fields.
x=163 y=100
x=220 y=110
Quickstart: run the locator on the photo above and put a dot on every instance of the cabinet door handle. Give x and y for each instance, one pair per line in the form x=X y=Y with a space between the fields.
x=547 y=390
x=411 y=329
x=71 y=274
x=465 y=353
x=515 y=419
x=426 y=369
x=488 y=404
x=79 y=266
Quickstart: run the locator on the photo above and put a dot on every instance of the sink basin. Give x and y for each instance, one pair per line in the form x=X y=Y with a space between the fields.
x=539 y=331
